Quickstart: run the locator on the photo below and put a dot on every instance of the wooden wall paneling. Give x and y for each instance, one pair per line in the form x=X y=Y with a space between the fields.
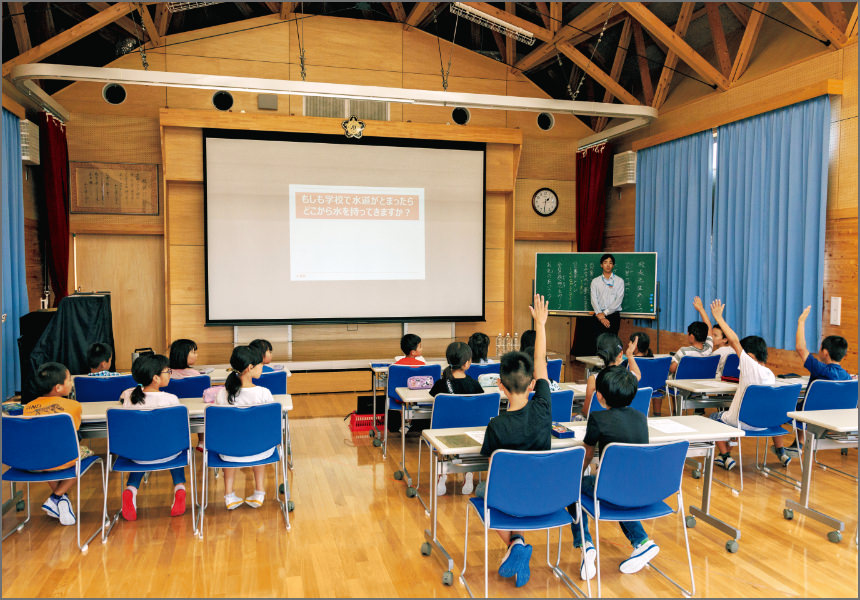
x=113 y=138
x=426 y=331
x=421 y=55
x=188 y=321
x=130 y=268
x=564 y=219
x=494 y=315
x=183 y=154
x=187 y=284
x=185 y=214
x=340 y=331
x=846 y=196
x=849 y=75
x=495 y=223
x=33 y=263
x=329 y=382
x=500 y=171
x=620 y=231
x=494 y=276
x=548 y=158
x=362 y=44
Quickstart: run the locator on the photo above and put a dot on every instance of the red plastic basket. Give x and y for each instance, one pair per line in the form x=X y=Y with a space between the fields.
x=364 y=422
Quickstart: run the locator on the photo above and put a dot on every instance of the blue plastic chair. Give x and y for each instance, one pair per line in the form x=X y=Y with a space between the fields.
x=632 y=484
x=456 y=410
x=655 y=372
x=101 y=389
x=641 y=402
x=553 y=369
x=526 y=492
x=732 y=366
x=828 y=395
x=244 y=431
x=562 y=405
x=147 y=434
x=188 y=387
x=397 y=377
x=32 y=444
x=275 y=381
x=767 y=407
x=475 y=371
x=698 y=367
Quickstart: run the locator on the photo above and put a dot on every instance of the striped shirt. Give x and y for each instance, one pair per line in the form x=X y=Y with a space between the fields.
x=607 y=294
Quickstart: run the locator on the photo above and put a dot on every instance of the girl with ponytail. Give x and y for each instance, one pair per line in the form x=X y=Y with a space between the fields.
x=246 y=364
x=455 y=381
x=609 y=350
x=151 y=372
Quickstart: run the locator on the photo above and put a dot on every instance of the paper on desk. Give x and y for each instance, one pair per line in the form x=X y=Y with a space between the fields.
x=669 y=426
x=478 y=436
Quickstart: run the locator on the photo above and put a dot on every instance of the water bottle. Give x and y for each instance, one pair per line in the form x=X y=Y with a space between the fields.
x=500 y=345
x=509 y=346
x=516 y=342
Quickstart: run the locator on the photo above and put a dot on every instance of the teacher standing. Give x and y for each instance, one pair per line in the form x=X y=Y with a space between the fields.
x=607 y=295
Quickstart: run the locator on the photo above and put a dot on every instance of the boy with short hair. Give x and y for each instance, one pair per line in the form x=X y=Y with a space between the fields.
x=98 y=360
x=526 y=425
x=752 y=351
x=699 y=334
x=54 y=383
x=412 y=349
x=621 y=423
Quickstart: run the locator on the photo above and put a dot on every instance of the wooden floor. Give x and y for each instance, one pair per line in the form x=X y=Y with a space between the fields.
x=356 y=534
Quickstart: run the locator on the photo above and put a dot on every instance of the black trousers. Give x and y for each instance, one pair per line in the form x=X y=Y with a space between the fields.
x=587 y=331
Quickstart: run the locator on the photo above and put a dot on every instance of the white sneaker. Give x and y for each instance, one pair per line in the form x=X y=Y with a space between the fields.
x=232 y=501
x=641 y=556
x=256 y=499
x=469 y=484
x=587 y=569
x=64 y=508
x=50 y=507
x=441 y=488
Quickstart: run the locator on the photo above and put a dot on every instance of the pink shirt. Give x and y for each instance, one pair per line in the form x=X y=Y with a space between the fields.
x=187 y=372
x=150 y=400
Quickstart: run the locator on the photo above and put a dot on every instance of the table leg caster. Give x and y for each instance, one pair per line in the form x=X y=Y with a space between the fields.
x=787 y=514
x=411 y=492
x=281 y=489
x=377 y=442
x=426 y=549
x=690 y=521
x=20 y=505
x=398 y=475
x=843 y=451
x=732 y=546
x=291 y=506
x=697 y=474
x=448 y=578
x=834 y=536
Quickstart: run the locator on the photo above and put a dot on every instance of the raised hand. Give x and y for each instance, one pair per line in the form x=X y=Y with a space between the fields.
x=540 y=310
x=804 y=314
x=631 y=347
x=717 y=308
x=697 y=304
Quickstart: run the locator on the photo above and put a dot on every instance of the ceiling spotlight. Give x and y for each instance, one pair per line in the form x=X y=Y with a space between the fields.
x=490 y=22
x=126 y=45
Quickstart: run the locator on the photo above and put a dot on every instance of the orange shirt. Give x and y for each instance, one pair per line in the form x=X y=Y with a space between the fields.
x=51 y=405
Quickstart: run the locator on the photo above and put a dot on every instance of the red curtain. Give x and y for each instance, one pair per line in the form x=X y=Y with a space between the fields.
x=55 y=171
x=592 y=168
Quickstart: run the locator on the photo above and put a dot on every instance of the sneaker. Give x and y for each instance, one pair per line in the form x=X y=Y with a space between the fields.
x=64 y=508
x=725 y=461
x=506 y=569
x=587 y=569
x=232 y=501
x=441 y=488
x=178 y=507
x=783 y=456
x=794 y=449
x=469 y=484
x=516 y=563
x=129 y=509
x=199 y=447
x=50 y=507
x=641 y=556
x=256 y=499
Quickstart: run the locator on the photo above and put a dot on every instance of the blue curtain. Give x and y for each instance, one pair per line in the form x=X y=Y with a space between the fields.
x=674 y=188
x=769 y=220
x=14 y=273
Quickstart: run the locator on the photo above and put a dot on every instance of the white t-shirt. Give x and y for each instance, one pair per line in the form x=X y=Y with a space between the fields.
x=752 y=373
x=723 y=353
x=246 y=397
x=151 y=400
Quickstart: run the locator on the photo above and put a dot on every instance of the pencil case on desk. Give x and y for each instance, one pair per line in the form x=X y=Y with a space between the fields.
x=562 y=431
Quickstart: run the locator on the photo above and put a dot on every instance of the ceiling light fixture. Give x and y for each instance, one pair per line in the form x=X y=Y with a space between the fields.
x=490 y=22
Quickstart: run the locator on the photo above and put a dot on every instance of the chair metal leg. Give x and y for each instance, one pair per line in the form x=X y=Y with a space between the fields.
x=557 y=570
x=735 y=490
x=20 y=525
x=466 y=555
x=78 y=519
x=597 y=544
x=193 y=473
x=204 y=500
x=285 y=503
x=767 y=471
x=290 y=445
x=826 y=467
x=692 y=589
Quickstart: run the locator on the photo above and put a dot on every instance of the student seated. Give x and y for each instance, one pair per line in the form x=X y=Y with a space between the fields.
x=183 y=354
x=621 y=423
x=54 y=383
x=246 y=364
x=151 y=372
x=609 y=350
x=479 y=343
x=455 y=381
x=264 y=347
x=99 y=357
x=412 y=349
x=553 y=385
x=643 y=345
x=752 y=351
x=526 y=425
x=721 y=347
x=699 y=334
x=527 y=339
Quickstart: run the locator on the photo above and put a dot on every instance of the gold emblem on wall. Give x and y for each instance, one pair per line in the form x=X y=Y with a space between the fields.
x=353 y=127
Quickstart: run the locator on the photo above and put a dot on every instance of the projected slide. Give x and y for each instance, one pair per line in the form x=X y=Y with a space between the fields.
x=353 y=233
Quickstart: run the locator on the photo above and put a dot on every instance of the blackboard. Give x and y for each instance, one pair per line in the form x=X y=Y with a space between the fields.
x=564 y=279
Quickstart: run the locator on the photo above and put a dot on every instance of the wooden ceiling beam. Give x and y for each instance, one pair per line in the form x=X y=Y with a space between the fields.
x=593 y=71
x=75 y=11
x=149 y=24
x=510 y=43
x=275 y=7
x=718 y=36
x=287 y=9
x=243 y=7
x=19 y=25
x=642 y=59
x=419 y=12
x=555 y=16
x=741 y=12
x=162 y=17
x=70 y=36
x=501 y=45
x=836 y=14
x=684 y=19
x=541 y=33
x=543 y=11
x=660 y=31
x=745 y=50
x=617 y=65
x=817 y=22
x=851 y=29
x=399 y=11
x=130 y=26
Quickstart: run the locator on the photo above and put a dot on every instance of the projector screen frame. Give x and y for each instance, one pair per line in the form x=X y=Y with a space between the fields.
x=245 y=134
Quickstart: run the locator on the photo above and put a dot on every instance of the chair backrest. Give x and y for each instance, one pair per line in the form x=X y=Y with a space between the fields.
x=454 y=410
x=100 y=389
x=242 y=430
x=148 y=434
x=398 y=374
x=561 y=403
x=655 y=372
x=633 y=475
x=553 y=369
x=524 y=484
x=732 y=366
x=188 y=387
x=37 y=443
x=698 y=367
x=275 y=381
x=831 y=395
x=476 y=371
x=641 y=401
x=767 y=405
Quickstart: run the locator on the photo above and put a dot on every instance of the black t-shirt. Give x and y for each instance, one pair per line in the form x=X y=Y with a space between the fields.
x=528 y=428
x=466 y=385
x=625 y=425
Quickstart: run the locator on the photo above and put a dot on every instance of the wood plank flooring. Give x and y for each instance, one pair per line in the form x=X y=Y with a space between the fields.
x=356 y=534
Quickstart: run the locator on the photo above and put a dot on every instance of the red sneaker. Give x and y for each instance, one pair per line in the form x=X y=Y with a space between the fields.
x=178 y=507
x=129 y=512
